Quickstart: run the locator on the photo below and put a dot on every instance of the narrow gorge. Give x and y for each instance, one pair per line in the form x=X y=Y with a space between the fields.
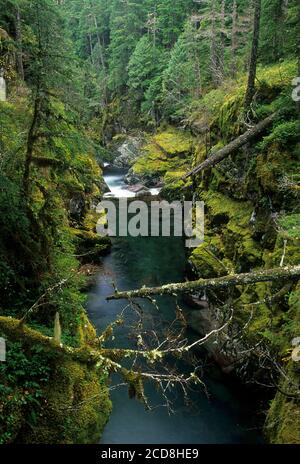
x=124 y=338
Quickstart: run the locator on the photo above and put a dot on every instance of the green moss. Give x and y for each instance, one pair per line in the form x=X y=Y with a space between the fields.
x=174 y=186
x=287 y=242
x=274 y=165
x=283 y=420
x=151 y=165
x=208 y=258
x=164 y=152
x=173 y=142
x=278 y=322
x=278 y=75
x=76 y=410
x=88 y=240
x=258 y=179
x=222 y=109
x=228 y=120
x=219 y=204
x=290 y=225
x=294 y=302
x=86 y=331
x=45 y=397
x=70 y=401
x=233 y=221
x=284 y=135
x=200 y=153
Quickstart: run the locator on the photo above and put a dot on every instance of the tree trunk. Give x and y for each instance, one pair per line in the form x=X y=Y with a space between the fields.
x=234 y=39
x=269 y=275
x=20 y=67
x=91 y=48
x=198 y=92
x=213 y=46
x=101 y=55
x=223 y=36
x=101 y=60
x=279 y=32
x=30 y=142
x=232 y=147
x=254 y=54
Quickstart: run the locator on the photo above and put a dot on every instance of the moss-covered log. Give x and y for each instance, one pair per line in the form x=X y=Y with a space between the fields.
x=232 y=147
x=12 y=328
x=269 y=275
x=100 y=359
x=92 y=354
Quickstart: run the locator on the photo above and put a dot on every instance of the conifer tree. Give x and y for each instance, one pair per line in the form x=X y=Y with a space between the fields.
x=127 y=20
x=254 y=55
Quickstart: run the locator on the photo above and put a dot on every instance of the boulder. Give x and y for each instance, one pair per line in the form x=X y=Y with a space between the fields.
x=143 y=193
x=203 y=321
x=77 y=207
x=138 y=188
x=149 y=180
x=131 y=178
x=128 y=152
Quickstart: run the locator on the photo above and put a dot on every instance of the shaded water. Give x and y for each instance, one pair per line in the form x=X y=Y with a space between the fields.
x=225 y=416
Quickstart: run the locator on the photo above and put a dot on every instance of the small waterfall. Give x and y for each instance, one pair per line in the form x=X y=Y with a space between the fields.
x=114 y=178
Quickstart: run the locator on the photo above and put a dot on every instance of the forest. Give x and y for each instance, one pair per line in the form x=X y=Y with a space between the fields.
x=173 y=100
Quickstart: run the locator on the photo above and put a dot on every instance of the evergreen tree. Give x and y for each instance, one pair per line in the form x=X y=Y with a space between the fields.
x=172 y=15
x=144 y=68
x=127 y=20
x=184 y=75
x=272 y=30
x=240 y=25
x=254 y=55
x=47 y=69
x=292 y=30
x=89 y=22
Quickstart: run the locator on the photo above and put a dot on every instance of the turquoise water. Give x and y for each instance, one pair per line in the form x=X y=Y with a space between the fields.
x=224 y=416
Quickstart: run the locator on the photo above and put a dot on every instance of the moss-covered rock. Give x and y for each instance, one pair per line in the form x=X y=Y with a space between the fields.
x=90 y=245
x=208 y=259
x=76 y=407
x=283 y=419
x=229 y=236
x=164 y=153
x=276 y=166
x=50 y=398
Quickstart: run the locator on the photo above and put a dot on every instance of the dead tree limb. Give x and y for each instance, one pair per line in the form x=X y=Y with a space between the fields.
x=109 y=359
x=269 y=275
x=94 y=354
x=233 y=146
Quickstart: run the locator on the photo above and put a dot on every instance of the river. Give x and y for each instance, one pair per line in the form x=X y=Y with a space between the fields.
x=225 y=415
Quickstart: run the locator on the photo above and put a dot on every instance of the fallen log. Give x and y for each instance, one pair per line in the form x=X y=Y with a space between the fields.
x=232 y=147
x=107 y=360
x=14 y=330
x=99 y=357
x=269 y=275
